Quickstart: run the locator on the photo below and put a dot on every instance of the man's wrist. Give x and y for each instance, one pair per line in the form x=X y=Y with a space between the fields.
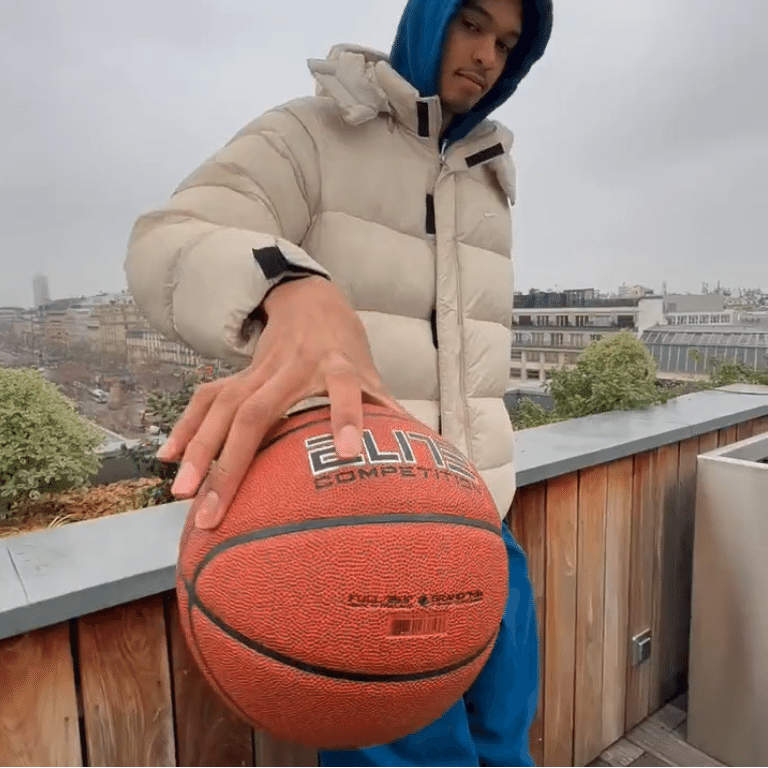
x=275 y=292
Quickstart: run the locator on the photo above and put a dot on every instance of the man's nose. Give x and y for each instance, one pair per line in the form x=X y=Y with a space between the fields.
x=486 y=52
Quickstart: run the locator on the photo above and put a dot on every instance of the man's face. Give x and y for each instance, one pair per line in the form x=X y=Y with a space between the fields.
x=476 y=48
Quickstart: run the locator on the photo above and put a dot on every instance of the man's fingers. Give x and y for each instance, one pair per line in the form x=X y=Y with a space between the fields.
x=346 y=399
x=190 y=420
x=206 y=508
x=253 y=419
x=208 y=439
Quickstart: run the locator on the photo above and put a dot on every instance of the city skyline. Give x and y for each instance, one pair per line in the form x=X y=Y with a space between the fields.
x=641 y=147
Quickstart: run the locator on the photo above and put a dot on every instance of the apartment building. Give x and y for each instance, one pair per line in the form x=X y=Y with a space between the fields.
x=146 y=347
x=550 y=329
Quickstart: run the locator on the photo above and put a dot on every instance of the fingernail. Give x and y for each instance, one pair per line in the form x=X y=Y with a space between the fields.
x=207 y=515
x=166 y=450
x=349 y=444
x=186 y=481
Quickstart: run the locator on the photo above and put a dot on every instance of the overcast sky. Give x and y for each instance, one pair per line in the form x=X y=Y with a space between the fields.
x=641 y=136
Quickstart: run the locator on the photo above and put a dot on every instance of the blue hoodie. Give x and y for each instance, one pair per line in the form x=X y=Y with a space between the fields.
x=417 y=54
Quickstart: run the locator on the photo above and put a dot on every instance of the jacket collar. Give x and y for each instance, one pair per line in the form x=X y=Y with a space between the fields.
x=364 y=86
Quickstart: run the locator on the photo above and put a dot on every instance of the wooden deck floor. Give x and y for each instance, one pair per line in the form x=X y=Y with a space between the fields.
x=658 y=740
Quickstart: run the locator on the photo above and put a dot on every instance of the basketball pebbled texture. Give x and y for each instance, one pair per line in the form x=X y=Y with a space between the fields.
x=346 y=604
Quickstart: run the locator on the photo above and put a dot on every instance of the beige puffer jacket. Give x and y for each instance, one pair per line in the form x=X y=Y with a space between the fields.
x=351 y=183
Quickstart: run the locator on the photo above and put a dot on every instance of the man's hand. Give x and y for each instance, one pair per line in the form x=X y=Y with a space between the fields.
x=312 y=345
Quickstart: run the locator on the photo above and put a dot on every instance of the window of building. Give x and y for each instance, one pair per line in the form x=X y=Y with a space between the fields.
x=582 y=321
x=533 y=357
x=595 y=336
x=542 y=320
x=514 y=373
x=571 y=358
x=557 y=339
x=577 y=340
x=538 y=338
x=562 y=321
x=625 y=321
x=550 y=357
x=516 y=355
x=524 y=320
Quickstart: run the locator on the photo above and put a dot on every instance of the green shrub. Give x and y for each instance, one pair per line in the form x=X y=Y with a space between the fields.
x=614 y=374
x=44 y=445
x=722 y=374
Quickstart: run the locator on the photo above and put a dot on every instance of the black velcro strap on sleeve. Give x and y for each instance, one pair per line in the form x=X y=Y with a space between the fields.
x=273 y=264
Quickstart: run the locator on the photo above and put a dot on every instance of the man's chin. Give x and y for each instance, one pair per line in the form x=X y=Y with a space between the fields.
x=457 y=107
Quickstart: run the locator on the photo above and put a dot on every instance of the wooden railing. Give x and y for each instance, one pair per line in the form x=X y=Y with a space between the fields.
x=609 y=550
x=610 y=555
x=118 y=687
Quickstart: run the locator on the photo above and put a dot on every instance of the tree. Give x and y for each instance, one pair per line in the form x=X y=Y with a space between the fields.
x=165 y=408
x=617 y=373
x=44 y=445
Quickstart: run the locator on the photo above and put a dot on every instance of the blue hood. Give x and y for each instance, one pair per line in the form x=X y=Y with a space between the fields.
x=417 y=54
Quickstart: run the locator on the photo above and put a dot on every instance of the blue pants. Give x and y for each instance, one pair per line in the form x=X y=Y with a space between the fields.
x=490 y=724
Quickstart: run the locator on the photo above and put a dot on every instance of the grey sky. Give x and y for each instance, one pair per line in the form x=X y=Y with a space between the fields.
x=641 y=136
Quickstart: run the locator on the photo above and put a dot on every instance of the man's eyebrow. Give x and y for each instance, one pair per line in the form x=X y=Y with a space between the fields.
x=474 y=5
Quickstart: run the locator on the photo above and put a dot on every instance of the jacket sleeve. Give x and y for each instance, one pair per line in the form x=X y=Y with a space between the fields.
x=201 y=265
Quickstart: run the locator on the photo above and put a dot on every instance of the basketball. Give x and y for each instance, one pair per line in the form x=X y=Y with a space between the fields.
x=346 y=603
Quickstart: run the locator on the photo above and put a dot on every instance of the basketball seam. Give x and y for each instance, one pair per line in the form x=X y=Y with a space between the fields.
x=338 y=522
x=192 y=601
x=314 y=669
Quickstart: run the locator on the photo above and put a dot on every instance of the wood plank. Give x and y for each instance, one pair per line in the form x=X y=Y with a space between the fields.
x=126 y=685
x=664 y=588
x=677 y=570
x=621 y=752
x=590 y=615
x=654 y=738
x=270 y=751
x=744 y=430
x=761 y=426
x=207 y=731
x=618 y=542
x=560 y=619
x=726 y=436
x=708 y=442
x=38 y=708
x=641 y=584
x=648 y=759
x=528 y=524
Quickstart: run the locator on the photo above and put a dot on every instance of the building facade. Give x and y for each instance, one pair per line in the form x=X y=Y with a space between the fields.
x=692 y=350
x=550 y=329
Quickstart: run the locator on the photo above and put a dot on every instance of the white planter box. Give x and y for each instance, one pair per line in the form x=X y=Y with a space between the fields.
x=728 y=674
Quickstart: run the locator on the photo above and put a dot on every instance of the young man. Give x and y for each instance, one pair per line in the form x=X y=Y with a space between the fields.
x=357 y=245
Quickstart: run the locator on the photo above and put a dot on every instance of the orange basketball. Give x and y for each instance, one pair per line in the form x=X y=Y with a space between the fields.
x=343 y=604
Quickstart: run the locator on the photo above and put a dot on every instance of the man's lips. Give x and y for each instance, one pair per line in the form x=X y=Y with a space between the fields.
x=473 y=78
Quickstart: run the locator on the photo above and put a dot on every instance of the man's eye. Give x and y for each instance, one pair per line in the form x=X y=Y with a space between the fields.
x=471 y=26
x=504 y=47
